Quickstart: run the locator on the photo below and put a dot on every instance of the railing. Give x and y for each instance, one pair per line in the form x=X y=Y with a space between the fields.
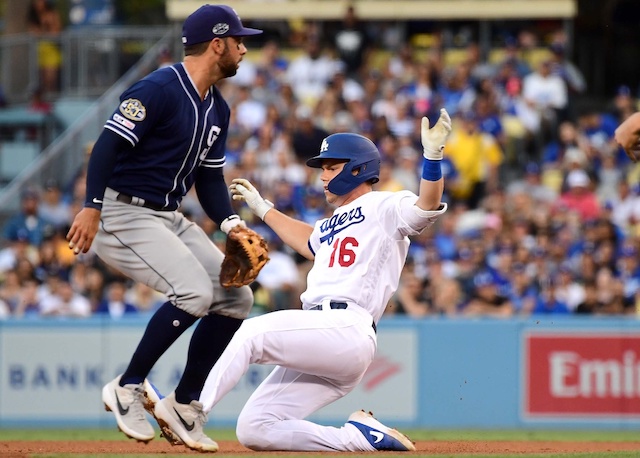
x=92 y=59
x=62 y=158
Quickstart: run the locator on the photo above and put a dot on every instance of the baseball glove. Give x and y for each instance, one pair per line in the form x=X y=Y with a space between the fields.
x=246 y=253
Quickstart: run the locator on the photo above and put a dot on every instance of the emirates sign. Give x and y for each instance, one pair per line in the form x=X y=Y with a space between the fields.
x=582 y=374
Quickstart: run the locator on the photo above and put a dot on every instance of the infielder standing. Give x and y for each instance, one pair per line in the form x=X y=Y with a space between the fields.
x=323 y=351
x=168 y=134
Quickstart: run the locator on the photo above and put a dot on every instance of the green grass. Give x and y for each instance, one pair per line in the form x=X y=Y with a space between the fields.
x=417 y=435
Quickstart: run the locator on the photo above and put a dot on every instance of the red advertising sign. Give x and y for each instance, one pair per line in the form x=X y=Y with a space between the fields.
x=582 y=374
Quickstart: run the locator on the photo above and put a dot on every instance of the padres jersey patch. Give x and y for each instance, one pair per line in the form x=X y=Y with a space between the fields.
x=119 y=119
x=133 y=109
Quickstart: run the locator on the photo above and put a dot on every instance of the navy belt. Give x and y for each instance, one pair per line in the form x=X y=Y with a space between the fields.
x=338 y=306
x=137 y=201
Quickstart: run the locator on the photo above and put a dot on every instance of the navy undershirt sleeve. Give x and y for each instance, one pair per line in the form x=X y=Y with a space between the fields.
x=101 y=164
x=213 y=194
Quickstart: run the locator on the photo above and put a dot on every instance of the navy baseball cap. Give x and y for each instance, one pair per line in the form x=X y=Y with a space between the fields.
x=213 y=21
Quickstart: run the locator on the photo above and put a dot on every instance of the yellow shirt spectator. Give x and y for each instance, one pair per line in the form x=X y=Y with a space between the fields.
x=476 y=155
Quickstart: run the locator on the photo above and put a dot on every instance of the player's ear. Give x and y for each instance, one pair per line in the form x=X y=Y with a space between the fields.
x=217 y=45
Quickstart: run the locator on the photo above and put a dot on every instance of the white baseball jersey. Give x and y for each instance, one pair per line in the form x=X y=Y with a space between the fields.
x=361 y=249
x=322 y=354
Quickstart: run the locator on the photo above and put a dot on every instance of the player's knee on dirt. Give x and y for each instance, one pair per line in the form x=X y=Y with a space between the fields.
x=251 y=433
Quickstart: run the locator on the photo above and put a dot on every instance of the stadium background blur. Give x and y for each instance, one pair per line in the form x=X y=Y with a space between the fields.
x=545 y=208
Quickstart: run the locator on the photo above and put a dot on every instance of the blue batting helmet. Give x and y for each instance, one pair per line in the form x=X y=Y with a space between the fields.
x=360 y=153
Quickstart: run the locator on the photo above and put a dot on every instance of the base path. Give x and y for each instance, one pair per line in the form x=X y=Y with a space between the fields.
x=31 y=448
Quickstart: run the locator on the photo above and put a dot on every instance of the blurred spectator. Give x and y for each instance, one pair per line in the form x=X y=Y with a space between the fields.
x=387 y=180
x=485 y=299
x=547 y=302
x=579 y=197
x=456 y=92
x=307 y=137
x=115 y=304
x=532 y=185
x=65 y=302
x=628 y=267
x=18 y=249
x=10 y=290
x=48 y=260
x=309 y=73
x=442 y=288
x=401 y=66
x=272 y=64
x=548 y=94
x=598 y=129
x=477 y=158
x=52 y=207
x=520 y=118
x=27 y=221
x=352 y=43
x=251 y=114
x=410 y=298
x=523 y=292
x=45 y=24
x=624 y=103
x=29 y=305
x=146 y=299
x=280 y=278
x=512 y=57
x=567 y=70
x=590 y=304
x=568 y=290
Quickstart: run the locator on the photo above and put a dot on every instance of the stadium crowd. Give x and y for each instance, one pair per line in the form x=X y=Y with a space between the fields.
x=544 y=211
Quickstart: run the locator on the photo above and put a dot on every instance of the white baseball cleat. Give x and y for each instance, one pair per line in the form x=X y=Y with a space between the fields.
x=380 y=436
x=184 y=423
x=127 y=404
x=151 y=397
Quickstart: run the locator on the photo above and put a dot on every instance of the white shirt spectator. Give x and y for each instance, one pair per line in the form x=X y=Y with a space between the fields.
x=544 y=89
x=65 y=302
x=310 y=73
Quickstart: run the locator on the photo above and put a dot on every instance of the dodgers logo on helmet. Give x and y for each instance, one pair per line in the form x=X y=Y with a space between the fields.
x=360 y=154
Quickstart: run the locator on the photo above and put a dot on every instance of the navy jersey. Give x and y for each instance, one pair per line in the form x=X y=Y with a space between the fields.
x=173 y=133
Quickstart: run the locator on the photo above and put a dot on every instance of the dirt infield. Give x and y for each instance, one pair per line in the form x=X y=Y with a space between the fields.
x=26 y=448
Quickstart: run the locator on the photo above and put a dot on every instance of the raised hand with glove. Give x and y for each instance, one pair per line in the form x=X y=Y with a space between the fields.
x=433 y=141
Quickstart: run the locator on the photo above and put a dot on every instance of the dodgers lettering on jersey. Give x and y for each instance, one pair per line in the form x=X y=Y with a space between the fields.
x=360 y=252
x=173 y=132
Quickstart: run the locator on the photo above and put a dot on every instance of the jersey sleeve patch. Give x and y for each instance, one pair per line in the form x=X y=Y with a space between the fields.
x=125 y=122
x=133 y=109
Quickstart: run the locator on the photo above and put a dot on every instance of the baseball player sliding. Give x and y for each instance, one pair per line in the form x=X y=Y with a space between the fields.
x=322 y=352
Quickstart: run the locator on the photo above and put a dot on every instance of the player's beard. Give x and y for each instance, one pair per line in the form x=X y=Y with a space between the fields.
x=228 y=66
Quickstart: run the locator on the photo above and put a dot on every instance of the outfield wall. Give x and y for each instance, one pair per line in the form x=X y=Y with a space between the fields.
x=434 y=373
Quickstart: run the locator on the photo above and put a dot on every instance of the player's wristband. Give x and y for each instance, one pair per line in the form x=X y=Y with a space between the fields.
x=431 y=170
x=231 y=222
x=95 y=204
